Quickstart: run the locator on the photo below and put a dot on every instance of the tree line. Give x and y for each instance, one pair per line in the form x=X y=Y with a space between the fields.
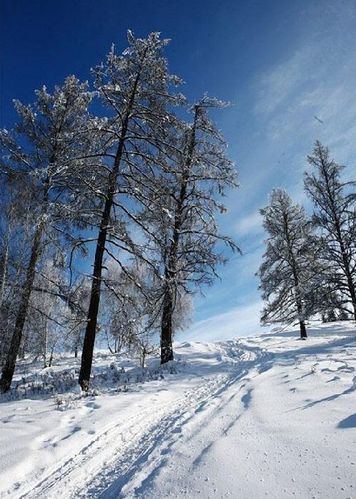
x=111 y=173
x=309 y=265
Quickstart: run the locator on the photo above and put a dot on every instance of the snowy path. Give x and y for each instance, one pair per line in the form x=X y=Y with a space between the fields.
x=152 y=450
x=122 y=448
x=265 y=416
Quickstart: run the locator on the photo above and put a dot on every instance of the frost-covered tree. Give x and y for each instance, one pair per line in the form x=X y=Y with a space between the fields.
x=330 y=301
x=42 y=149
x=289 y=273
x=78 y=302
x=53 y=316
x=134 y=87
x=14 y=224
x=45 y=325
x=7 y=223
x=335 y=217
x=130 y=311
x=182 y=201
x=122 y=307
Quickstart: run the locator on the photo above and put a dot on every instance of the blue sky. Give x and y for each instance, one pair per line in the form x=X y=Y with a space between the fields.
x=280 y=63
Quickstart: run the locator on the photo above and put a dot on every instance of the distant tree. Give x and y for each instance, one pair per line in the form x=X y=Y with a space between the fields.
x=335 y=217
x=51 y=316
x=289 y=272
x=42 y=149
x=130 y=313
x=123 y=307
x=331 y=302
x=78 y=302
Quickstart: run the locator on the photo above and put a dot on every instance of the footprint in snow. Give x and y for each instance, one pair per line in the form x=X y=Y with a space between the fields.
x=93 y=405
x=346 y=369
x=75 y=429
x=200 y=407
x=8 y=419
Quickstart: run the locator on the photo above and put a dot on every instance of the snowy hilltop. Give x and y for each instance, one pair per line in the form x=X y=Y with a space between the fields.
x=251 y=417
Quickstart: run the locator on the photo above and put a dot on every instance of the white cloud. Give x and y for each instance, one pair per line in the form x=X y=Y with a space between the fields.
x=250 y=224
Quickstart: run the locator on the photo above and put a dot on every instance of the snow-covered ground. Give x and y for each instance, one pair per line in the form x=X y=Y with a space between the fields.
x=266 y=416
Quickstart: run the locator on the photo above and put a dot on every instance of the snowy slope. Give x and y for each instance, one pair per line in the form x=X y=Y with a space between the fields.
x=254 y=417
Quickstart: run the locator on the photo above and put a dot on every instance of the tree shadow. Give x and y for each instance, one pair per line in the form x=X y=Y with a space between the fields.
x=331 y=397
x=349 y=422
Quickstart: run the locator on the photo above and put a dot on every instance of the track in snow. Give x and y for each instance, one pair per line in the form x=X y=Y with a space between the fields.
x=123 y=451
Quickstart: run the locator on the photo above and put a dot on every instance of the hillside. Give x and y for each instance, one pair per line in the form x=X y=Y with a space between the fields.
x=252 y=417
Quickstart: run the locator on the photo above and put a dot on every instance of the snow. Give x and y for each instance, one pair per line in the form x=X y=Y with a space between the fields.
x=264 y=416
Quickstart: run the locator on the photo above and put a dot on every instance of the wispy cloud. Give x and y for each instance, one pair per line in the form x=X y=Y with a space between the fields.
x=251 y=223
x=306 y=94
x=312 y=93
x=277 y=85
x=239 y=321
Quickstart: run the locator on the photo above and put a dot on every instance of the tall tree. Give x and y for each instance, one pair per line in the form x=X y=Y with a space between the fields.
x=41 y=148
x=182 y=212
x=288 y=273
x=335 y=217
x=135 y=88
x=14 y=221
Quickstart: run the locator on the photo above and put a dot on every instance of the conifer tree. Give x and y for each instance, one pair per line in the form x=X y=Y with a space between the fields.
x=288 y=274
x=335 y=217
x=135 y=88
x=184 y=201
x=42 y=149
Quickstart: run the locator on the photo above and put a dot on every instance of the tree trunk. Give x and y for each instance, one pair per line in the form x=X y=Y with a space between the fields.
x=295 y=272
x=167 y=329
x=143 y=358
x=303 y=330
x=3 y=269
x=170 y=271
x=92 y=318
x=50 y=359
x=45 y=346
x=350 y=283
x=10 y=363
